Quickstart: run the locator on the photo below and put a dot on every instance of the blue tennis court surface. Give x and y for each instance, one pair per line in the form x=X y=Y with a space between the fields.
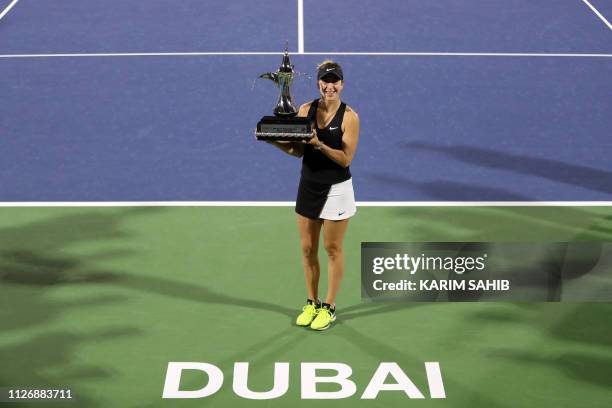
x=604 y=7
x=146 y=26
x=473 y=26
x=180 y=127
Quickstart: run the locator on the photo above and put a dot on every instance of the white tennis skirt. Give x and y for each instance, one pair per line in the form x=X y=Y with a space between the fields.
x=340 y=202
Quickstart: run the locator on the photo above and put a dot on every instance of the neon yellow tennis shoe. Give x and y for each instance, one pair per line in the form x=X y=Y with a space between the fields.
x=325 y=317
x=309 y=312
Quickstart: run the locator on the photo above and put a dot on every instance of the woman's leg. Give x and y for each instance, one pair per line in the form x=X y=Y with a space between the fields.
x=333 y=240
x=309 y=239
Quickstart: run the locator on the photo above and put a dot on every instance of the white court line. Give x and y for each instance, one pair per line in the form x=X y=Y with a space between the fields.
x=373 y=54
x=461 y=54
x=8 y=8
x=601 y=17
x=300 y=26
x=292 y=203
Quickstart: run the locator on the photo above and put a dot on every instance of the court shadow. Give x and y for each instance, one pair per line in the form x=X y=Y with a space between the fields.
x=361 y=310
x=25 y=309
x=604 y=228
x=444 y=190
x=382 y=351
x=554 y=170
x=32 y=255
x=197 y=293
x=35 y=253
x=44 y=361
x=35 y=258
x=260 y=355
x=591 y=369
x=577 y=323
x=34 y=261
x=583 y=228
x=26 y=267
x=506 y=223
x=586 y=324
x=55 y=233
x=581 y=330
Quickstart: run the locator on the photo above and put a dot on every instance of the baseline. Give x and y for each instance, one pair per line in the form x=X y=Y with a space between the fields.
x=367 y=54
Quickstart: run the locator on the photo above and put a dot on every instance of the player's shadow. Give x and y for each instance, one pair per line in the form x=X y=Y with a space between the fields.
x=555 y=170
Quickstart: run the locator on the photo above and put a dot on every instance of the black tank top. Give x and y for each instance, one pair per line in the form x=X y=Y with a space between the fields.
x=315 y=165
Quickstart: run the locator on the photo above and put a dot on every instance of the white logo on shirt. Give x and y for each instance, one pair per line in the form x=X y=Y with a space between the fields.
x=333 y=128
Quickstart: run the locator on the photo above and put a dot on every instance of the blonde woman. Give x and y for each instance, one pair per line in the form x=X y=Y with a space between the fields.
x=325 y=199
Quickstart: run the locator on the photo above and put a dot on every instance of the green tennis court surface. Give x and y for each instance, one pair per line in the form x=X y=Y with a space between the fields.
x=99 y=300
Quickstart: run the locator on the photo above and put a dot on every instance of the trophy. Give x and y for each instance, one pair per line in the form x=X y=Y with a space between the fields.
x=284 y=125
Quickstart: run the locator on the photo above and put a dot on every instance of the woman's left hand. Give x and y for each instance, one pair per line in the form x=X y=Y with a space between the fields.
x=314 y=140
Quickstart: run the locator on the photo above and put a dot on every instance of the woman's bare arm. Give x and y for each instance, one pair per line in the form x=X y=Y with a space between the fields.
x=350 y=138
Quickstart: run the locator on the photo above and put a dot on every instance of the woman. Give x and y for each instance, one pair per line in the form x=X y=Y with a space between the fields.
x=325 y=199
